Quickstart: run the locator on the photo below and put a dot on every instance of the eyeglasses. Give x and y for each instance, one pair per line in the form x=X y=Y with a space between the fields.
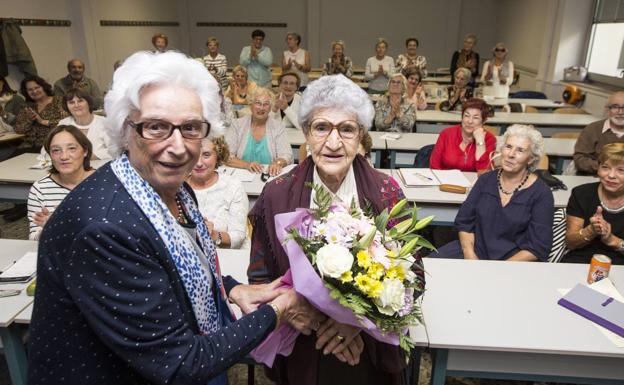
x=615 y=107
x=321 y=128
x=500 y=49
x=258 y=103
x=161 y=130
x=397 y=82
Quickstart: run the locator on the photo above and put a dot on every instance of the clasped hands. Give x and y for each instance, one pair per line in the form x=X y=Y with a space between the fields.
x=600 y=227
x=344 y=341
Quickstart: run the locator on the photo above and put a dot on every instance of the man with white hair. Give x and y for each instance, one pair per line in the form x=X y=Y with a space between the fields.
x=597 y=134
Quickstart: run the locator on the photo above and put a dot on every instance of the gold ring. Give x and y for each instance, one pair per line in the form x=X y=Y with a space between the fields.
x=340 y=338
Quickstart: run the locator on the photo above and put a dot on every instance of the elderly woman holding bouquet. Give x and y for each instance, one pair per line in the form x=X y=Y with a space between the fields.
x=334 y=114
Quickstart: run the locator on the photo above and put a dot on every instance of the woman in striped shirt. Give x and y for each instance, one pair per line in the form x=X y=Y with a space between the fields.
x=71 y=152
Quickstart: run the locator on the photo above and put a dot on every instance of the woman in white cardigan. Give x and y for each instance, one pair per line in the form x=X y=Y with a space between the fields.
x=258 y=140
x=221 y=198
x=498 y=73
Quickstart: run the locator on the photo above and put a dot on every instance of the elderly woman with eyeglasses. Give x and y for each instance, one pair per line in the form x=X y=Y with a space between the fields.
x=127 y=267
x=395 y=112
x=259 y=140
x=334 y=114
x=498 y=73
x=508 y=214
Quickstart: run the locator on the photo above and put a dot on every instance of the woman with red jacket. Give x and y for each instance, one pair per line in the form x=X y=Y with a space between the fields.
x=466 y=146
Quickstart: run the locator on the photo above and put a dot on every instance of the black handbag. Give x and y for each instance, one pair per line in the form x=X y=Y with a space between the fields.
x=552 y=182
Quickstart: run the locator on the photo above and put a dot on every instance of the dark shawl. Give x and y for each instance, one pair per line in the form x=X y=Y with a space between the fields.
x=268 y=261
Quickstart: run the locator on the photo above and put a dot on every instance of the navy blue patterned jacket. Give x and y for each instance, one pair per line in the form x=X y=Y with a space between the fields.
x=110 y=307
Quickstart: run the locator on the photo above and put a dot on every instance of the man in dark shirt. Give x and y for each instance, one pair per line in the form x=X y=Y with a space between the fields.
x=76 y=79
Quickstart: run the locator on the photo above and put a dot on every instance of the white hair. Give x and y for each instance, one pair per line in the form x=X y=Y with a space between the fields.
x=529 y=132
x=144 y=69
x=338 y=92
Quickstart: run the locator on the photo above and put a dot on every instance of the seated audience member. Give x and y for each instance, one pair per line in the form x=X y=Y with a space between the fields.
x=160 y=41
x=597 y=134
x=76 y=79
x=379 y=68
x=466 y=146
x=41 y=113
x=595 y=213
x=466 y=57
x=221 y=198
x=411 y=58
x=79 y=104
x=459 y=92
x=366 y=147
x=498 y=73
x=338 y=63
x=415 y=90
x=10 y=103
x=240 y=87
x=259 y=140
x=216 y=63
x=508 y=214
x=257 y=58
x=286 y=106
x=296 y=59
x=394 y=112
x=70 y=151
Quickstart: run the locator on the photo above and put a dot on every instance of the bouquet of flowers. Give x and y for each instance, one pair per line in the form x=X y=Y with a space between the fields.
x=357 y=268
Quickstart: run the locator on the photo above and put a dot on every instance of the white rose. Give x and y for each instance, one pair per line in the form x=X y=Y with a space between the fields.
x=332 y=260
x=392 y=296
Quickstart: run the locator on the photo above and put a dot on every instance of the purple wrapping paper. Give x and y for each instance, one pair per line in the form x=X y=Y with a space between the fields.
x=307 y=282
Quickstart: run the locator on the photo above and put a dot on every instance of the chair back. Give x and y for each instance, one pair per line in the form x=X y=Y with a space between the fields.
x=528 y=95
x=494 y=130
x=422 y=156
x=303 y=152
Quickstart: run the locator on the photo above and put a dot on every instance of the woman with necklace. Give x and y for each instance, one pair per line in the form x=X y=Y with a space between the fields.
x=70 y=151
x=466 y=146
x=498 y=73
x=411 y=58
x=595 y=213
x=508 y=214
x=221 y=198
x=259 y=140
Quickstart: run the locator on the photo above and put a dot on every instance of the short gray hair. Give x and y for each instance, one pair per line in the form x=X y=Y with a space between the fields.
x=335 y=91
x=145 y=68
x=465 y=71
x=529 y=132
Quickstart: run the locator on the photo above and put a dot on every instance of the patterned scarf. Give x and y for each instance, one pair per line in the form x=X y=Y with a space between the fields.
x=181 y=250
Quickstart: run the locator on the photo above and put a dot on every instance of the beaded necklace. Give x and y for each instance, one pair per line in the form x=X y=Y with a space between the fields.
x=500 y=186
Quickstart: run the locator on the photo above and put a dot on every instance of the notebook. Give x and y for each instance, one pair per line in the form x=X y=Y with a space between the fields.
x=418 y=177
x=596 y=307
x=23 y=270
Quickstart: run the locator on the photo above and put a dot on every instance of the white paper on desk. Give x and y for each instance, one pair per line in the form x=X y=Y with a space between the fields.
x=606 y=287
x=26 y=266
x=390 y=136
x=415 y=177
x=454 y=177
x=244 y=175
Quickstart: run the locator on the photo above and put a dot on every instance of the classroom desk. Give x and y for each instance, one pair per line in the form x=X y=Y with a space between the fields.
x=10 y=308
x=541 y=104
x=501 y=320
x=10 y=137
x=16 y=176
x=559 y=148
x=444 y=206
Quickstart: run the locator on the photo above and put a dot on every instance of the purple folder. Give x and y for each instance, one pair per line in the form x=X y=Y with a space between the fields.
x=596 y=307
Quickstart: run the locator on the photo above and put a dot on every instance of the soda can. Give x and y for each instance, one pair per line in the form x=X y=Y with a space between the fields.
x=598 y=268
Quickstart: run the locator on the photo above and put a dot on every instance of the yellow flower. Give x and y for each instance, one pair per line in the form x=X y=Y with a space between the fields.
x=363 y=259
x=391 y=254
x=375 y=271
x=396 y=272
x=347 y=276
x=370 y=287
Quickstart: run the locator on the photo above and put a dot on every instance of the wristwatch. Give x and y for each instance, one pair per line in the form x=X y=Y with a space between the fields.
x=219 y=239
